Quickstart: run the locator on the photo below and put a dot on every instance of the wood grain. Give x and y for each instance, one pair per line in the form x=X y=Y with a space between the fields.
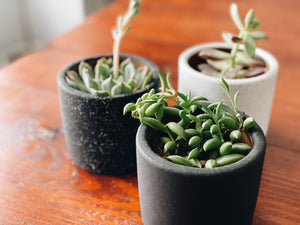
x=39 y=182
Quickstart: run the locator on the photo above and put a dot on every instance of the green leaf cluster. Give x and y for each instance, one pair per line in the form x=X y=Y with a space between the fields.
x=100 y=81
x=237 y=63
x=194 y=133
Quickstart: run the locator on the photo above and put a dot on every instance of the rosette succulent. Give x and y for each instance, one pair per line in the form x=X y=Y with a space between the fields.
x=234 y=62
x=109 y=76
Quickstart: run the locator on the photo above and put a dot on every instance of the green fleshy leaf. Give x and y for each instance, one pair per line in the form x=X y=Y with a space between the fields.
x=97 y=92
x=255 y=24
x=163 y=82
x=121 y=88
x=101 y=70
x=257 y=35
x=177 y=129
x=235 y=98
x=249 y=18
x=141 y=73
x=249 y=45
x=108 y=84
x=129 y=71
x=155 y=124
x=85 y=66
x=87 y=80
x=180 y=160
x=128 y=107
x=235 y=15
x=147 y=80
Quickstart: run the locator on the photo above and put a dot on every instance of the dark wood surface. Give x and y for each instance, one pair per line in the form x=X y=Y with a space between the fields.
x=39 y=184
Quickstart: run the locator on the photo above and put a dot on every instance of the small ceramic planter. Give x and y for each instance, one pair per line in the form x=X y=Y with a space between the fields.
x=99 y=138
x=256 y=93
x=174 y=194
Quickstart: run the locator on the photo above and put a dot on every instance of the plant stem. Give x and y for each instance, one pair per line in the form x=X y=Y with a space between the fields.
x=116 y=56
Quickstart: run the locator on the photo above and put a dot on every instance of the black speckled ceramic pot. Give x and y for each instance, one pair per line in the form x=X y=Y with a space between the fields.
x=180 y=195
x=99 y=138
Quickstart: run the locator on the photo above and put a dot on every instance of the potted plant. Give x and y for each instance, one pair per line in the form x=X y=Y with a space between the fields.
x=252 y=71
x=197 y=163
x=93 y=92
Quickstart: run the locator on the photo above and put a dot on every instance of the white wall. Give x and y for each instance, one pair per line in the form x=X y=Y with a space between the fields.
x=29 y=24
x=11 y=38
x=46 y=19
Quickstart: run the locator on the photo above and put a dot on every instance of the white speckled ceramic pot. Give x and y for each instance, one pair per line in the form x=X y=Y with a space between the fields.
x=99 y=138
x=256 y=93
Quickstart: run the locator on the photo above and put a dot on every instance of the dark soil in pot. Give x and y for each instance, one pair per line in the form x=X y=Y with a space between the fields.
x=99 y=138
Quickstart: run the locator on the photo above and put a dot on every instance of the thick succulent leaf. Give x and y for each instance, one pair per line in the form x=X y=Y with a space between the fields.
x=249 y=45
x=85 y=66
x=243 y=58
x=236 y=96
x=177 y=129
x=219 y=64
x=255 y=24
x=124 y=63
x=163 y=82
x=141 y=73
x=208 y=70
x=132 y=84
x=155 y=124
x=129 y=71
x=180 y=160
x=249 y=18
x=102 y=70
x=129 y=107
x=257 y=35
x=80 y=86
x=108 y=84
x=198 y=98
x=254 y=71
x=169 y=84
x=97 y=92
x=121 y=88
x=235 y=15
x=87 y=80
x=211 y=53
x=133 y=9
x=75 y=81
x=147 y=79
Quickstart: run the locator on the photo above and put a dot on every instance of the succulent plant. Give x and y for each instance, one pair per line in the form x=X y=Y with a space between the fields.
x=99 y=80
x=109 y=76
x=236 y=63
x=198 y=134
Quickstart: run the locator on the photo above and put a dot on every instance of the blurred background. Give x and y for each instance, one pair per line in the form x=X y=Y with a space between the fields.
x=28 y=24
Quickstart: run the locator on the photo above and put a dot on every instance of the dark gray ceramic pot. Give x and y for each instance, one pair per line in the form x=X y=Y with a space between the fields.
x=99 y=138
x=172 y=194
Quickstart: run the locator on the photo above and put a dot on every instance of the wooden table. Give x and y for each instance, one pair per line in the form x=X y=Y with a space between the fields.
x=39 y=184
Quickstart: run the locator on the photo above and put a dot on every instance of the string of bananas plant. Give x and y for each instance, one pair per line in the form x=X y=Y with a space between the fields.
x=199 y=134
x=110 y=77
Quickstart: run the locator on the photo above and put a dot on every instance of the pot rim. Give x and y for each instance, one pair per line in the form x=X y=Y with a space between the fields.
x=258 y=151
x=271 y=61
x=67 y=88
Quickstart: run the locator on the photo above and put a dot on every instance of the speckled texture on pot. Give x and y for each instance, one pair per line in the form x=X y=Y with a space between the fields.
x=99 y=137
x=179 y=195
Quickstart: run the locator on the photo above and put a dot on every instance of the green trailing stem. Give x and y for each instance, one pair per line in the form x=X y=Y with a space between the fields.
x=199 y=135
